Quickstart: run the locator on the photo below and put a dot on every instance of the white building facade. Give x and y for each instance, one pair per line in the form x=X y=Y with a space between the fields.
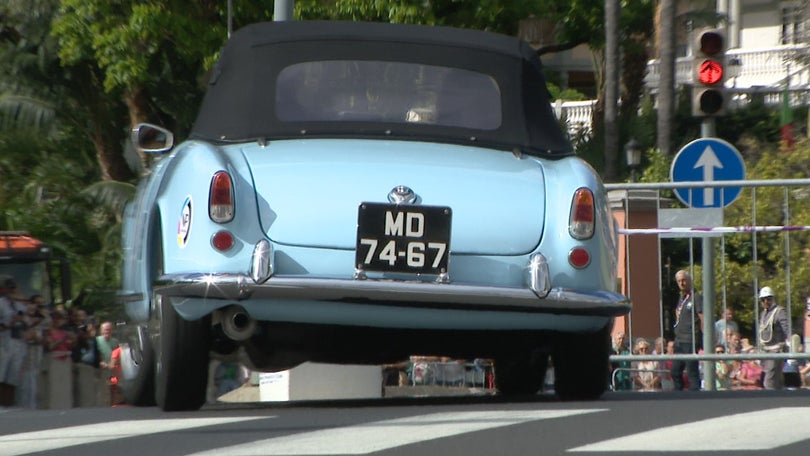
x=768 y=53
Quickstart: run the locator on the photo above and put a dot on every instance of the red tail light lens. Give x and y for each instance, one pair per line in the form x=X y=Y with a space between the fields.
x=220 y=198
x=581 y=221
x=222 y=240
x=579 y=257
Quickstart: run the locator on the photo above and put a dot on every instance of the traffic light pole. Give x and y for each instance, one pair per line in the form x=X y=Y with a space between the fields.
x=708 y=101
x=708 y=130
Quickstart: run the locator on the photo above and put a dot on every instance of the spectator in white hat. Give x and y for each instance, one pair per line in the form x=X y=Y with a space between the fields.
x=773 y=335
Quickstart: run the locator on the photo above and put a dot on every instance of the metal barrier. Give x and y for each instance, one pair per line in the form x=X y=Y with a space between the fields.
x=662 y=372
x=757 y=356
x=776 y=196
x=436 y=373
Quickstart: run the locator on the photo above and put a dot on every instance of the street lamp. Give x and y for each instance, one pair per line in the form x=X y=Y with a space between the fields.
x=632 y=151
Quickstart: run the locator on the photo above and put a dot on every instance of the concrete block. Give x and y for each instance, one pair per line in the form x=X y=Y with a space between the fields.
x=313 y=381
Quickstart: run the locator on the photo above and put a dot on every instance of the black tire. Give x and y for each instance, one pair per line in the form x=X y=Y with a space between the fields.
x=581 y=365
x=521 y=373
x=182 y=358
x=138 y=370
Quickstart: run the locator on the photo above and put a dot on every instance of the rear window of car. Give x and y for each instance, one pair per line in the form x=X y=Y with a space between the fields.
x=390 y=92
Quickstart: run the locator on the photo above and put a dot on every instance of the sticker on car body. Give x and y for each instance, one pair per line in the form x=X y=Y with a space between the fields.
x=184 y=223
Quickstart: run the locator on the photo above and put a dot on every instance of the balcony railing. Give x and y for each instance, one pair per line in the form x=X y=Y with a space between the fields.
x=760 y=73
x=577 y=115
x=771 y=67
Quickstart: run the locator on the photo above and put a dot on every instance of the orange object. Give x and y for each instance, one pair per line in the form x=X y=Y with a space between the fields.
x=115 y=373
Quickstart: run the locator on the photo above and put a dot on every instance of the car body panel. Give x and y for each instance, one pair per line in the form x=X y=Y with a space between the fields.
x=314 y=188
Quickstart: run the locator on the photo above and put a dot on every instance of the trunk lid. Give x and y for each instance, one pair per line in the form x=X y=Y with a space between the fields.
x=309 y=191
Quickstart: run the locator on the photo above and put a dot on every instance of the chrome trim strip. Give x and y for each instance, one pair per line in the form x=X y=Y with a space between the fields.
x=129 y=297
x=238 y=287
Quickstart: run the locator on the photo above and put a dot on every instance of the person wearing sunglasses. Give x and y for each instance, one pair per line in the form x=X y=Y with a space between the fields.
x=722 y=370
x=773 y=335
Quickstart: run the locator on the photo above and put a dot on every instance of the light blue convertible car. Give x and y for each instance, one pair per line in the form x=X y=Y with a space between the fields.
x=359 y=193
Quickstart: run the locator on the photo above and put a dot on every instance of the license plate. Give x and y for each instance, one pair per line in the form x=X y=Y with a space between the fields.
x=403 y=238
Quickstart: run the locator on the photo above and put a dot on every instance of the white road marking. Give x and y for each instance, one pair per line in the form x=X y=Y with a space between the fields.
x=381 y=435
x=761 y=430
x=51 y=439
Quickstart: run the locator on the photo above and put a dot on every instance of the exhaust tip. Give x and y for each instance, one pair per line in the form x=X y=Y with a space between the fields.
x=237 y=324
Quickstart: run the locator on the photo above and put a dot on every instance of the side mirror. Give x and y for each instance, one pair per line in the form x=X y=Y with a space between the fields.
x=152 y=138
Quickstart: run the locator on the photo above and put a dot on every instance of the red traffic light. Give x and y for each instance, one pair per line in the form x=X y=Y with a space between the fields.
x=710 y=72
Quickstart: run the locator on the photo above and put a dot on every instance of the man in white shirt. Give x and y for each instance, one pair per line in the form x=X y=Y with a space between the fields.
x=13 y=345
x=726 y=322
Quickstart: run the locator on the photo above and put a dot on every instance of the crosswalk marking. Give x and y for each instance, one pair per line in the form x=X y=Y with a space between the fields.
x=51 y=439
x=763 y=430
x=760 y=430
x=381 y=435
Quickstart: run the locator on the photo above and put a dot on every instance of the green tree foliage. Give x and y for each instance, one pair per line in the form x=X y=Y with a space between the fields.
x=41 y=193
x=151 y=56
x=28 y=98
x=500 y=16
x=565 y=94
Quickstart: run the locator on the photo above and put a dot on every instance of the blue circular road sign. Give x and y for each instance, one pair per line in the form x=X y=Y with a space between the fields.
x=707 y=160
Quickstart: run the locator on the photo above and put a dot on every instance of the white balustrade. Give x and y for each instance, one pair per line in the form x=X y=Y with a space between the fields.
x=761 y=72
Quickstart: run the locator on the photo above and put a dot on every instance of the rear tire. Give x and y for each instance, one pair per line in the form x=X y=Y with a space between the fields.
x=183 y=346
x=581 y=365
x=520 y=374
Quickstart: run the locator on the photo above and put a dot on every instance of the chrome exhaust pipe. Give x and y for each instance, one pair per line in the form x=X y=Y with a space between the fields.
x=237 y=324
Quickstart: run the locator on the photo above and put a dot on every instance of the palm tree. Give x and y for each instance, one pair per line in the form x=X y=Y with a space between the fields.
x=665 y=29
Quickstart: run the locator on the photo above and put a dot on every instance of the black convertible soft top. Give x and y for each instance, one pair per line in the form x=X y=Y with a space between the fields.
x=254 y=89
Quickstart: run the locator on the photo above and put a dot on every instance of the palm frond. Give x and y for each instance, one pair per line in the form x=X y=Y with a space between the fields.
x=19 y=112
x=113 y=195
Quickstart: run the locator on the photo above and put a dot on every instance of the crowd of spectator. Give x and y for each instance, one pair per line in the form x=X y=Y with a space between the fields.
x=47 y=353
x=731 y=374
x=687 y=373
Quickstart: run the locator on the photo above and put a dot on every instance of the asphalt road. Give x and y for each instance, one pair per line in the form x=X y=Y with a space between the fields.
x=747 y=423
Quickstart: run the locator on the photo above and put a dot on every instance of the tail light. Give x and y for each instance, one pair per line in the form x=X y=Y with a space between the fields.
x=581 y=222
x=220 y=198
x=579 y=257
x=222 y=240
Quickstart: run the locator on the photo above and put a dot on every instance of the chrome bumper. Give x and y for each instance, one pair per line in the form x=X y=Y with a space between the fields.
x=238 y=287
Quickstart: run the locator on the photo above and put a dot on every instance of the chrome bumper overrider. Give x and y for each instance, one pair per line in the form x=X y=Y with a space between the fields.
x=238 y=287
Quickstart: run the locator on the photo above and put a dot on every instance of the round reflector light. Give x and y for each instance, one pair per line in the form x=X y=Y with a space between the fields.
x=579 y=257
x=222 y=240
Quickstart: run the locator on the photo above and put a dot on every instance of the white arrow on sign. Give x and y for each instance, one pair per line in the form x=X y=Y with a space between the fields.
x=708 y=161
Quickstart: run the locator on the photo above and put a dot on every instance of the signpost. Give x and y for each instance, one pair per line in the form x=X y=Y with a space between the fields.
x=707 y=160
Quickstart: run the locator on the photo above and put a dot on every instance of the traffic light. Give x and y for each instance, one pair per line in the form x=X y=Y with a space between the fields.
x=709 y=73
